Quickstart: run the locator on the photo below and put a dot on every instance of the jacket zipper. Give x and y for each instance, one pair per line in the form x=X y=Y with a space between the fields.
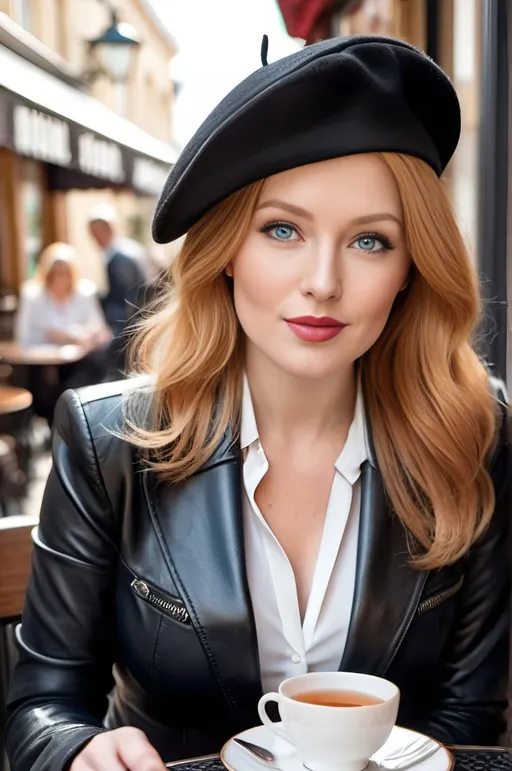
x=170 y=606
x=438 y=599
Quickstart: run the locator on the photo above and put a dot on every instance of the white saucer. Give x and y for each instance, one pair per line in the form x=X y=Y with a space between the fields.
x=235 y=758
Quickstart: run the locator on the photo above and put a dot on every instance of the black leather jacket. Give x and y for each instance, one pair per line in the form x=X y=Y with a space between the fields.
x=138 y=611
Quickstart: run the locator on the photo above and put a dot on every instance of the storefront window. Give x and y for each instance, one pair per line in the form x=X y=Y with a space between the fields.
x=464 y=170
x=371 y=17
x=138 y=222
x=22 y=13
x=32 y=205
x=137 y=227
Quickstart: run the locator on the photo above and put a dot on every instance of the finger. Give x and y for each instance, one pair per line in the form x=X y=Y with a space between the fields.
x=137 y=754
x=99 y=755
x=102 y=762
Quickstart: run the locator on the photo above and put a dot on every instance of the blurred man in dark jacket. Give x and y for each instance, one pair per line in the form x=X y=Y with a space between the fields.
x=129 y=275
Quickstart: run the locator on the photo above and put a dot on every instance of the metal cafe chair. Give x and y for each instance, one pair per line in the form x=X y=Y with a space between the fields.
x=15 y=418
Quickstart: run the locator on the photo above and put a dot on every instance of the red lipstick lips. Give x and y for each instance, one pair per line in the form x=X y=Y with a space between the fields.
x=315 y=329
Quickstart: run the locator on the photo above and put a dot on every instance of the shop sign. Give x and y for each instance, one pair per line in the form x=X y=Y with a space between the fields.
x=41 y=136
x=71 y=149
x=148 y=176
x=100 y=158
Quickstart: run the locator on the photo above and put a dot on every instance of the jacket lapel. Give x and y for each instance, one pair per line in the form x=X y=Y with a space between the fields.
x=199 y=524
x=387 y=589
x=200 y=528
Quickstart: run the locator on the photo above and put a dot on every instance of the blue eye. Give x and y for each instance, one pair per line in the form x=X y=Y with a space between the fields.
x=280 y=231
x=372 y=242
x=367 y=244
x=283 y=232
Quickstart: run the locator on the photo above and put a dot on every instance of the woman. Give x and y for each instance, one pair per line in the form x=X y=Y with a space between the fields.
x=314 y=475
x=59 y=308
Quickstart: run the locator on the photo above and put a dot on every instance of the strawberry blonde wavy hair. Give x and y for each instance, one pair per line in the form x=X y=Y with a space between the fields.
x=427 y=394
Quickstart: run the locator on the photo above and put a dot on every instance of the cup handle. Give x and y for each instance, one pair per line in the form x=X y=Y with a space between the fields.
x=265 y=718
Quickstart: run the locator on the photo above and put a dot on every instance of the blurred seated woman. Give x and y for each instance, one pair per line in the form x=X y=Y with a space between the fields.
x=60 y=308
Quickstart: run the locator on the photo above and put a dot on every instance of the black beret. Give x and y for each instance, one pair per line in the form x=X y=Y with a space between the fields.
x=338 y=97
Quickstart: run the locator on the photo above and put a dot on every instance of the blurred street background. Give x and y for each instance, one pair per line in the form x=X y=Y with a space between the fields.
x=97 y=98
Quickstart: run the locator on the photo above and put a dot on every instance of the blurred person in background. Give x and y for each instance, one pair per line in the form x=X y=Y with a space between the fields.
x=130 y=273
x=60 y=308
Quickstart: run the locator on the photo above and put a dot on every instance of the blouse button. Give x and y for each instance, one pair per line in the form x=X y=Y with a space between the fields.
x=296 y=658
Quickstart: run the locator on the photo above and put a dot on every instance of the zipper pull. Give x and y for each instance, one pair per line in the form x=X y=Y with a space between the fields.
x=141 y=588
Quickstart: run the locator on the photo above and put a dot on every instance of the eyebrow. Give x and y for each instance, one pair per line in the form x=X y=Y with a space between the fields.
x=363 y=220
x=286 y=206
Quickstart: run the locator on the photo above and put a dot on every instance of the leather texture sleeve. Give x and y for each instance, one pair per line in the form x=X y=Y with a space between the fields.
x=473 y=678
x=59 y=690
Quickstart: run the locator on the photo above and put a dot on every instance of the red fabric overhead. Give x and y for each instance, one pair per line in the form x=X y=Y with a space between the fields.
x=311 y=19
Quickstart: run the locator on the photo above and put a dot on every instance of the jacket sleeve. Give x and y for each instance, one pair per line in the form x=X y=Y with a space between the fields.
x=132 y=280
x=58 y=695
x=472 y=697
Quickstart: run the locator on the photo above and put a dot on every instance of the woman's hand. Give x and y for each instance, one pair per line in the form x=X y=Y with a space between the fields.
x=101 y=337
x=118 y=750
x=57 y=337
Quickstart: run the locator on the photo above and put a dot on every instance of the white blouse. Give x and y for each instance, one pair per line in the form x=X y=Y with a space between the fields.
x=286 y=646
x=39 y=312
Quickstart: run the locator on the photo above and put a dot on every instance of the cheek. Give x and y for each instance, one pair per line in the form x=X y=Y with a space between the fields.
x=258 y=289
x=372 y=299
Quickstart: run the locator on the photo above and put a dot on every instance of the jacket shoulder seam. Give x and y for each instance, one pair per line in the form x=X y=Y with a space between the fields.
x=99 y=475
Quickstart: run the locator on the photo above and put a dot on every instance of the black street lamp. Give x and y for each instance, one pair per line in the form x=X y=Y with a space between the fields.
x=115 y=50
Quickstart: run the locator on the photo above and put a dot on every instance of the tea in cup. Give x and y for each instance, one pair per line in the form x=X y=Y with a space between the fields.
x=335 y=720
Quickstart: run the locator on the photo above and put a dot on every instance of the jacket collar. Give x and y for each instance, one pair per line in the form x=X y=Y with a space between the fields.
x=354 y=453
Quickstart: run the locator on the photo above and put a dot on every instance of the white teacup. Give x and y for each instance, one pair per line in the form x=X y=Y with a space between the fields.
x=334 y=738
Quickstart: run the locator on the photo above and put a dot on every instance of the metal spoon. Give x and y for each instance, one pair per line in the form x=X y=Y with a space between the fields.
x=255 y=749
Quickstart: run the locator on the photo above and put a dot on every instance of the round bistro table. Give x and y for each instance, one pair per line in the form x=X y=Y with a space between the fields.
x=465 y=759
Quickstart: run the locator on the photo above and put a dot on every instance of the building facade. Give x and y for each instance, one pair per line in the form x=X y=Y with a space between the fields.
x=471 y=40
x=71 y=137
x=449 y=31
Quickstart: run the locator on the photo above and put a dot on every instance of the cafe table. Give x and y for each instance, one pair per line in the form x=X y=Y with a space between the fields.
x=465 y=759
x=40 y=355
x=31 y=367
x=12 y=401
x=30 y=363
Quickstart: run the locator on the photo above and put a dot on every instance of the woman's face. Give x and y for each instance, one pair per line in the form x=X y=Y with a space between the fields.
x=319 y=270
x=60 y=280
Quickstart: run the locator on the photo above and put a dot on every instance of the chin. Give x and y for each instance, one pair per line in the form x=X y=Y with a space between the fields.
x=313 y=367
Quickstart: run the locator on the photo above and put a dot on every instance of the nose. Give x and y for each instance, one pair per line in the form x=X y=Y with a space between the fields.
x=322 y=278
